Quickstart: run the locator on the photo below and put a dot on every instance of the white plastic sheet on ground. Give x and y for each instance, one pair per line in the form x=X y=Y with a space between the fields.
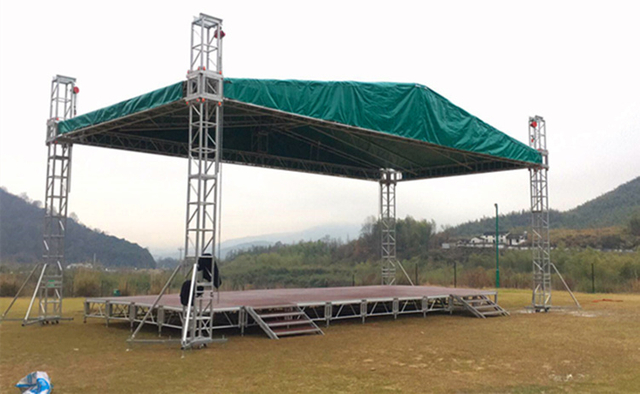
x=35 y=383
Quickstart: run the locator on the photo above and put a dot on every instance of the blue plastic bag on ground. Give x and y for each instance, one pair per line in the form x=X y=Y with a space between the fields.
x=35 y=383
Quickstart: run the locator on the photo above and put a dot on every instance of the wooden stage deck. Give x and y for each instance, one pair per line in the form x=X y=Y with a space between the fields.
x=320 y=304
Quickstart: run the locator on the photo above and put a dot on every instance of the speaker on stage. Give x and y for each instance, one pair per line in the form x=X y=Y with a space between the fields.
x=184 y=292
x=205 y=264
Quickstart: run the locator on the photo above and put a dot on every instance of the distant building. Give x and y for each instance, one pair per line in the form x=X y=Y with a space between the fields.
x=79 y=265
x=477 y=240
x=488 y=240
x=490 y=237
x=516 y=239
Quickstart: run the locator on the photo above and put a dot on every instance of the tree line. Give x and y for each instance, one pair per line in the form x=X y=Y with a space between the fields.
x=332 y=262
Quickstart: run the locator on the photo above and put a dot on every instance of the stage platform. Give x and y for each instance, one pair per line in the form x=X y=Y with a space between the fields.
x=233 y=309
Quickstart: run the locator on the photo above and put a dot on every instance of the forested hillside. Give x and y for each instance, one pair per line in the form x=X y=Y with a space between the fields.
x=592 y=257
x=333 y=262
x=615 y=208
x=611 y=209
x=330 y=262
x=21 y=224
x=327 y=262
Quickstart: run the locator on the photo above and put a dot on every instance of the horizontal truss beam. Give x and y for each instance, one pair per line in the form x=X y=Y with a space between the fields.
x=175 y=149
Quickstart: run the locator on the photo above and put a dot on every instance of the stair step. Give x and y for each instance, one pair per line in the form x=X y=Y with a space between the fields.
x=479 y=305
x=282 y=323
x=281 y=314
x=295 y=331
x=284 y=327
x=493 y=313
x=477 y=300
x=484 y=307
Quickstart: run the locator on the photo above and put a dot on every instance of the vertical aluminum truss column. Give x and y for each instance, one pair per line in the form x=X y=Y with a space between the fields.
x=49 y=287
x=388 y=181
x=541 y=297
x=204 y=97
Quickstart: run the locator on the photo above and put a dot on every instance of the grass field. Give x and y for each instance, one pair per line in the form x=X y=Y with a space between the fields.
x=593 y=350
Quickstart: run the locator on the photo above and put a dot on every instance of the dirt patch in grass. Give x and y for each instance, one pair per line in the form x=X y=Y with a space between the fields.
x=593 y=350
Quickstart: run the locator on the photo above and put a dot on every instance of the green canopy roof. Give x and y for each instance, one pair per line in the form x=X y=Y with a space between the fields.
x=348 y=129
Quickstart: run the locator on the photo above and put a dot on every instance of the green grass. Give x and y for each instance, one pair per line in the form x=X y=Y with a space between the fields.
x=595 y=350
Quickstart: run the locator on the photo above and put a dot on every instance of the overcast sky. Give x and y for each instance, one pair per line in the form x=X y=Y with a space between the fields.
x=575 y=63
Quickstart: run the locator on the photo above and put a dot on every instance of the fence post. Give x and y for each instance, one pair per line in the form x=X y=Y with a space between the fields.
x=455 y=274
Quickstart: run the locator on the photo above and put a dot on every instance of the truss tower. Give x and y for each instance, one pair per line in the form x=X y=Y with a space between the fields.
x=204 y=98
x=388 y=180
x=541 y=297
x=49 y=288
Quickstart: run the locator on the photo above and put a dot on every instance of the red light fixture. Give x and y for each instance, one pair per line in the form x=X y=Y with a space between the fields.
x=222 y=34
x=76 y=90
x=534 y=124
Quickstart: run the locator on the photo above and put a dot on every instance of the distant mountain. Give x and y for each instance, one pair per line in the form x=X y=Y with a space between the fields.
x=21 y=224
x=611 y=209
x=224 y=251
x=342 y=231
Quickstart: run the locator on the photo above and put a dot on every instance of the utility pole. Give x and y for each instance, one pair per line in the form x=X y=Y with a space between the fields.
x=497 y=250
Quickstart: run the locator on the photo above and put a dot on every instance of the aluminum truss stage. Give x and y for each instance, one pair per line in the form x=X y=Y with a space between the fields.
x=237 y=309
x=383 y=132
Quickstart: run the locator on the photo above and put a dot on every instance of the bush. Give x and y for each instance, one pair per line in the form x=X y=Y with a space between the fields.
x=86 y=283
x=477 y=278
x=9 y=285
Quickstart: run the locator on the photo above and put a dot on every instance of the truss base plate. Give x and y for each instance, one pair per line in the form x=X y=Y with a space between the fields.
x=45 y=320
x=203 y=342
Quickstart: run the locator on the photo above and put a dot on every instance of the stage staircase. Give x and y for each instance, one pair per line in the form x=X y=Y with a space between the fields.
x=479 y=305
x=283 y=320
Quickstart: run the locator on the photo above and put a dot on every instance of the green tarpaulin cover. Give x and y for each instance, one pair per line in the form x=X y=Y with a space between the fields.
x=402 y=109
x=405 y=110
x=145 y=102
